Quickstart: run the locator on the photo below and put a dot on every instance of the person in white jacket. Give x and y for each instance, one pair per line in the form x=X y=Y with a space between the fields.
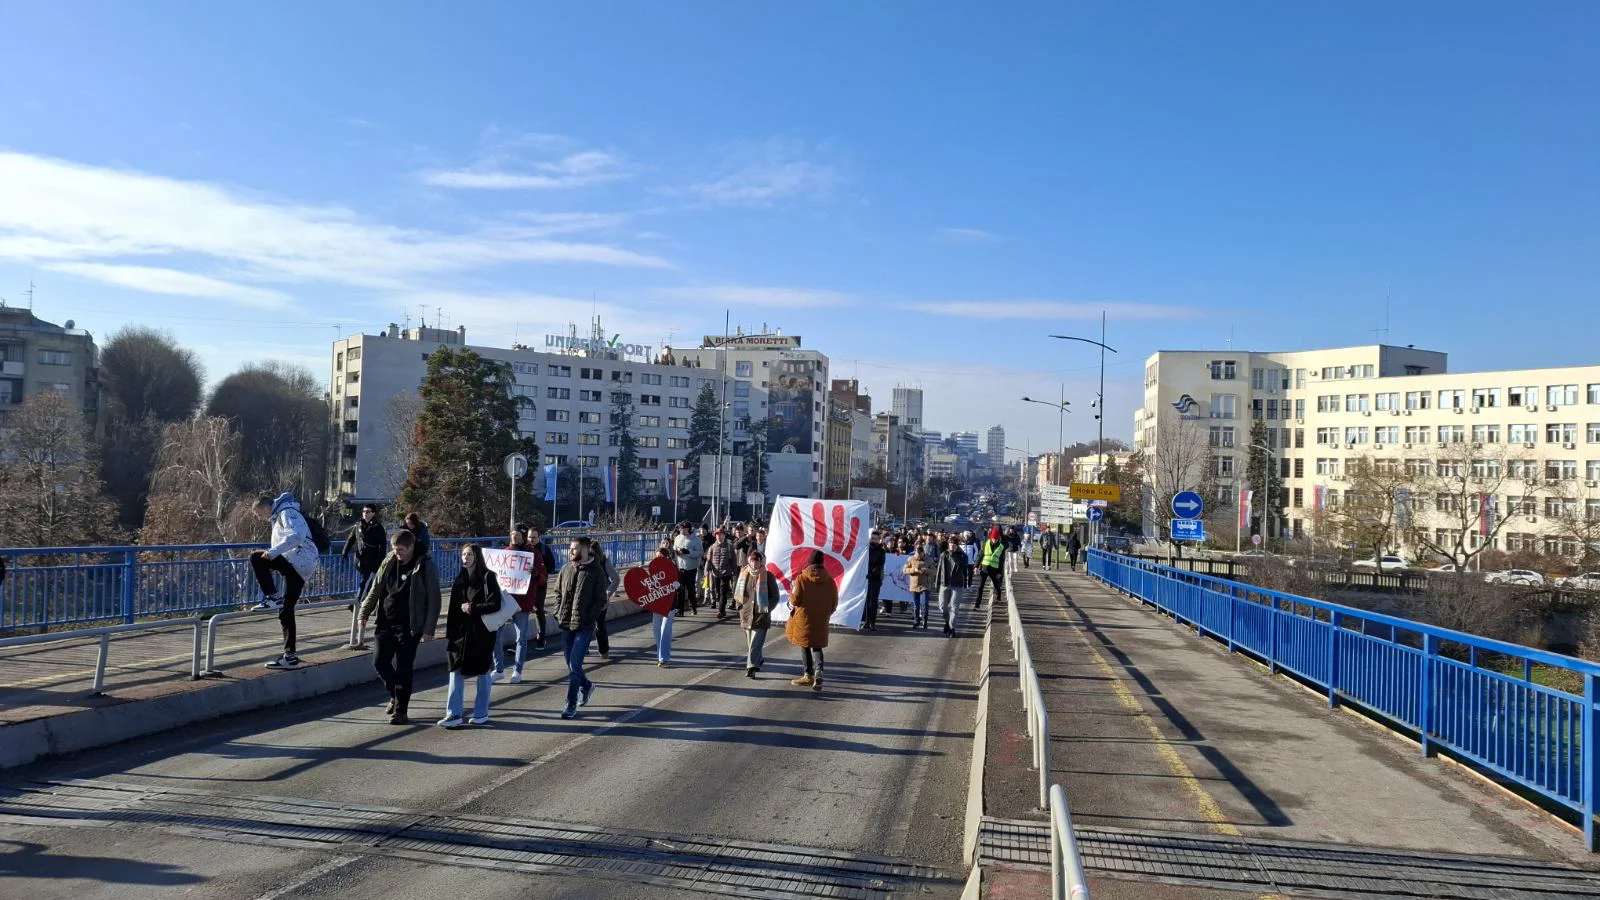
x=292 y=554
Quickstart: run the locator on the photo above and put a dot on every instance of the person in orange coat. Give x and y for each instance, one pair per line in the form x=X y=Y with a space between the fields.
x=813 y=600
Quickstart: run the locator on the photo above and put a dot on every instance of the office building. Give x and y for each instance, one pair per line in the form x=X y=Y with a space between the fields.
x=568 y=389
x=907 y=407
x=1530 y=437
x=37 y=356
x=849 y=436
x=996 y=442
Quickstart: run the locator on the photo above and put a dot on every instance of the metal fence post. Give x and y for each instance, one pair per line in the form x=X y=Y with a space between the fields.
x=1233 y=615
x=1591 y=699
x=1334 y=619
x=130 y=580
x=1430 y=652
x=1272 y=647
x=100 y=665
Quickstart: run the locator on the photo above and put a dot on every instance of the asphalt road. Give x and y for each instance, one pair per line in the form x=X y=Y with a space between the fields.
x=693 y=766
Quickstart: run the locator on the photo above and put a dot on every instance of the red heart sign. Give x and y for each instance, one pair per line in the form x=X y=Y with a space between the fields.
x=653 y=586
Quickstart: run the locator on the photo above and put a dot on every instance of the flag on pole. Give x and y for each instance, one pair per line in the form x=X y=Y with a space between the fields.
x=1486 y=511
x=1246 y=497
x=611 y=483
x=672 y=481
x=550 y=482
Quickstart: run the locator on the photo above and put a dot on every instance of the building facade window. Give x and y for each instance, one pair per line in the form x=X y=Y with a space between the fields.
x=1224 y=370
x=557 y=415
x=558 y=393
x=1561 y=394
x=55 y=358
x=1224 y=406
x=1558 y=433
x=557 y=437
x=1418 y=400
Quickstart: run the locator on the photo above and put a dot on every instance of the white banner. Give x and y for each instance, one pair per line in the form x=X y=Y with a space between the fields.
x=840 y=529
x=896 y=583
x=513 y=569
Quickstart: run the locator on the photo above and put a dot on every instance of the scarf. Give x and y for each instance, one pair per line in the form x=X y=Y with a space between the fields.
x=762 y=601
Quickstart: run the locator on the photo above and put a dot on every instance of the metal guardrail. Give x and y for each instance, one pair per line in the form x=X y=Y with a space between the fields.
x=68 y=587
x=1067 y=879
x=1427 y=680
x=1342 y=578
x=210 y=668
x=104 y=633
x=1066 y=863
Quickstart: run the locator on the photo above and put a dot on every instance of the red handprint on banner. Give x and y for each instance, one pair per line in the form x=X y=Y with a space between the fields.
x=827 y=533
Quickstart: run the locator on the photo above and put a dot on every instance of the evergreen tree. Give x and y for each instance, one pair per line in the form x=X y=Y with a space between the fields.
x=758 y=461
x=1264 y=479
x=705 y=437
x=630 y=484
x=468 y=425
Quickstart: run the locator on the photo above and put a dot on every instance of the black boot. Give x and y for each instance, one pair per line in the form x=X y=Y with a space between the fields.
x=402 y=700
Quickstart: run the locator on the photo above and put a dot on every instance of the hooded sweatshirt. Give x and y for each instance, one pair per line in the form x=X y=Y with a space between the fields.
x=291 y=536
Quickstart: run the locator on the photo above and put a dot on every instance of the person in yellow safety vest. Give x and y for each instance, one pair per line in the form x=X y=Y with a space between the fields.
x=991 y=567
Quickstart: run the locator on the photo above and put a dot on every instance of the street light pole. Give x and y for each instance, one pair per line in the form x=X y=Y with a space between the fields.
x=1061 y=414
x=1266 y=472
x=1100 y=398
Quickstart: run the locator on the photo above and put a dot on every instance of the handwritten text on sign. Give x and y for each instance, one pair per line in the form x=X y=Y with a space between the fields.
x=512 y=568
x=653 y=586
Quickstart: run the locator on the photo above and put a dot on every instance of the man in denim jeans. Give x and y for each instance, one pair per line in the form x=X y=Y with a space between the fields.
x=580 y=602
x=525 y=605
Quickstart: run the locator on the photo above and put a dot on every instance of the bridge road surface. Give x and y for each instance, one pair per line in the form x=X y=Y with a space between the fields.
x=675 y=778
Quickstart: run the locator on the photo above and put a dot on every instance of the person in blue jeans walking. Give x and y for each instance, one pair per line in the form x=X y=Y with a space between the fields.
x=525 y=607
x=580 y=602
x=755 y=593
x=661 y=625
x=916 y=571
x=469 y=645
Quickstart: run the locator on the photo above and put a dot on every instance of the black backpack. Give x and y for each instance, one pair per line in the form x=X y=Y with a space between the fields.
x=319 y=535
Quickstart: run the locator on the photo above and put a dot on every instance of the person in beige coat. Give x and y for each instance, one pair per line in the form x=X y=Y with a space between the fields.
x=813 y=601
x=755 y=594
x=916 y=572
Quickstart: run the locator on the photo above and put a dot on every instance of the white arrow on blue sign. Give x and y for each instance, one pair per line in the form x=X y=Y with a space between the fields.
x=1187 y=505
x=1095 y=513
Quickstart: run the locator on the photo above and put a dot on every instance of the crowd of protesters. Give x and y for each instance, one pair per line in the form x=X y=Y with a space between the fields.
x=724 y=570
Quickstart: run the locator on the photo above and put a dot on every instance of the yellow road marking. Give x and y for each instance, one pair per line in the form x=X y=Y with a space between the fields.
x=1209 y=810
x=46 y=680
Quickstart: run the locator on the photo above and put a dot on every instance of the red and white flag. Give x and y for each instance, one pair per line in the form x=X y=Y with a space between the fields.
x=1246 y=498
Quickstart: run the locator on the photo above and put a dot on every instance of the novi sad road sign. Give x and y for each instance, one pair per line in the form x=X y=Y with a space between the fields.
x=1085 y=491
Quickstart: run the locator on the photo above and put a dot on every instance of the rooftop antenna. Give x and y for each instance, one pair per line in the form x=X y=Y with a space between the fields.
x=1385 y=329
x=30 y=295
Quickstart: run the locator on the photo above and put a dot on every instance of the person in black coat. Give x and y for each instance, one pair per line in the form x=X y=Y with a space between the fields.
x=1074 y=546
x=367 y=542
x=469 y=646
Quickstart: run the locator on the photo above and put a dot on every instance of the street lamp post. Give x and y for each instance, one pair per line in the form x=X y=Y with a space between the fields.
x=1100 y=398
x=580 y=472
x=1061 y=414
x=1266 y=471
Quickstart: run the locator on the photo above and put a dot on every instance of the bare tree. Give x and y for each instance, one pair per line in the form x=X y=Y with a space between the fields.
x=50 y=488
x=399 y=426
x=1182 y=460
x=1377 y=506
x=194 y=498
x=1572 y=513
x=1459 y=497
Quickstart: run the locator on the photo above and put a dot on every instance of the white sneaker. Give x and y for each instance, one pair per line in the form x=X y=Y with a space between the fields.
x=497 y=677
x=451 y=722
x=269 y=603
x=516 y=677
x=285 y=661
x=479 y=720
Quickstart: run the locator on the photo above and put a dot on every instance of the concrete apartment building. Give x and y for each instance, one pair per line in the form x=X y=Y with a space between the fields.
x=907 y=407
x=995 y=441
x=373 y=377
x=36 y=356
x=849 y=436
x=1534 y=432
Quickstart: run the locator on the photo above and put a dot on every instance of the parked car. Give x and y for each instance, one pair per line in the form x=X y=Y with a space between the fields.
x=573 y=525
x=1383 y=564
x=1315 y=562
x=1586 y=581
x=1516 y=576
x=1252 y=554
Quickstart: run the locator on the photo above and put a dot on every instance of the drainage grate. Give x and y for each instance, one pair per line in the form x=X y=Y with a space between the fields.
x=704 y=864
x=1292 y=868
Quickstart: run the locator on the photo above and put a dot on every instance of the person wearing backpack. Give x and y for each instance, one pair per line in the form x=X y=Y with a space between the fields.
x=538 y=576
x=293 y=554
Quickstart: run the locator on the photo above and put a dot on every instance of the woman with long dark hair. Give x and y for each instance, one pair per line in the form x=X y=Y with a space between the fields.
x=469 y=645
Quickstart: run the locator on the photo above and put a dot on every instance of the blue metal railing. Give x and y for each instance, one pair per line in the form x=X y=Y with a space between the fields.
x=1538 y=737
x=78 y=586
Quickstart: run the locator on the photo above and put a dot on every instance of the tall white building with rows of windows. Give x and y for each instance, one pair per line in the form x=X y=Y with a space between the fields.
x=1534 y=433
x=374 y=379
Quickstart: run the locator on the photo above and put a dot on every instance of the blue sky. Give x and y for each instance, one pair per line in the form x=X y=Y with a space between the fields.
x=923 y=190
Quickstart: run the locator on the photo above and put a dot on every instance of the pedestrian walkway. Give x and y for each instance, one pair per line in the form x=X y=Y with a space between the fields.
x=1185 y=765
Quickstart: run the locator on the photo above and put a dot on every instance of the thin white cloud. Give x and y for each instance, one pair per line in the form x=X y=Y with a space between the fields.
x=171 y=282
x=56 y=211
x=966 y=236
x=765 y=174
x=523 y=162
x=737 y=295
x=1051 y=309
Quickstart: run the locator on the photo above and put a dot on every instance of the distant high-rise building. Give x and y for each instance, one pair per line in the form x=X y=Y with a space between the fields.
x=967 y=443
x=908 y=408
x=997 y=446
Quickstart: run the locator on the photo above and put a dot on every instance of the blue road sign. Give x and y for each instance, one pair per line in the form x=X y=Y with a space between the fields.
x=1188 y=530
x=1095 y=513
x=1187 y=505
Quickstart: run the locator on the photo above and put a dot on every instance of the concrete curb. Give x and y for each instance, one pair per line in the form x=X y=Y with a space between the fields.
x=974 y=888
x=980 y=752
x=25 y=742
